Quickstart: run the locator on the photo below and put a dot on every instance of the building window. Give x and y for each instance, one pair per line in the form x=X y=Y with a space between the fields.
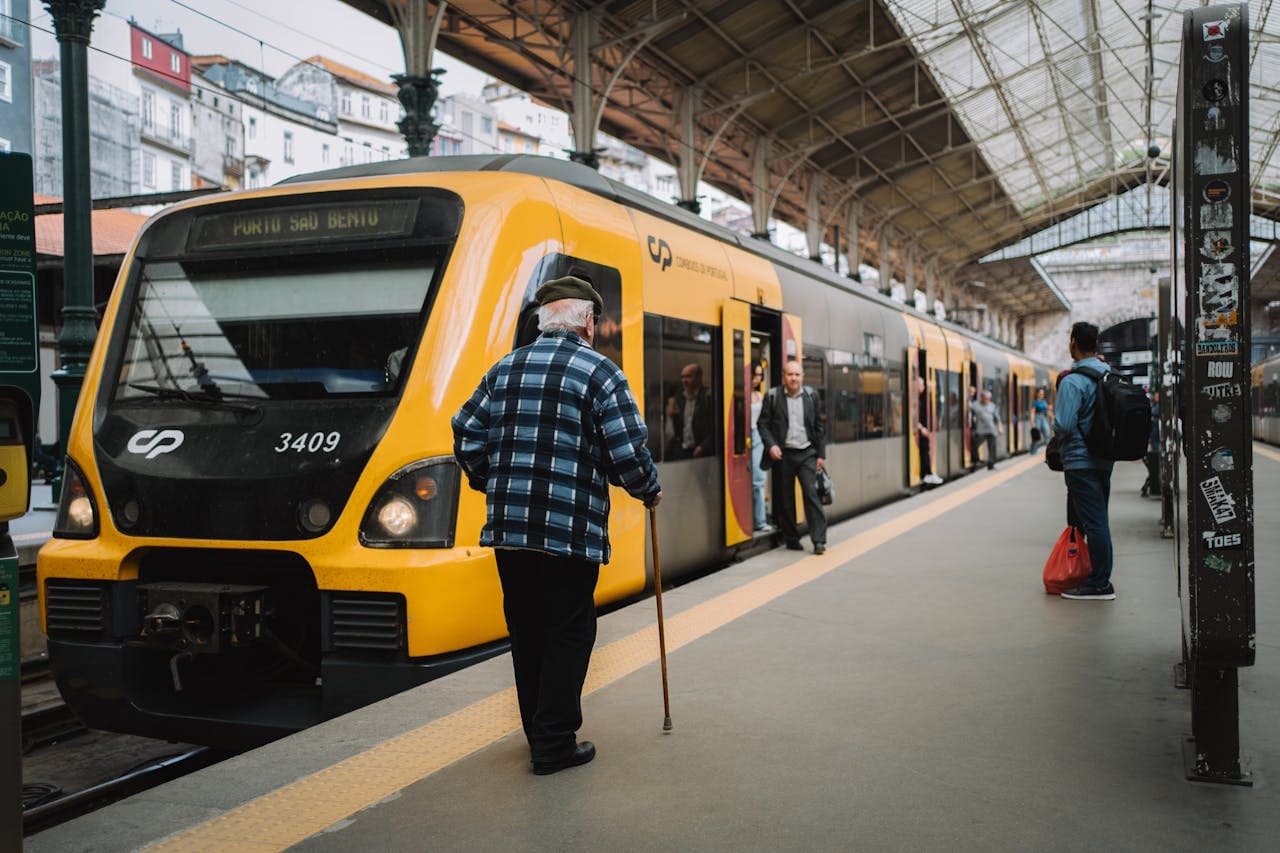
x=176 y=170
x=324 y=152
x=366 y=108
x=506 y=144
x=288 y=146
x=175 y=63
x=175 y=121
x=148 y=110
x=148 y=169
x=384 y=112
x=8 y=23
x=253 y=127
x=346 y=103
x=146 y=48
x=528 y=147
x=231 y=146
x=487 y=124
x=5 y=147
x=6 y=82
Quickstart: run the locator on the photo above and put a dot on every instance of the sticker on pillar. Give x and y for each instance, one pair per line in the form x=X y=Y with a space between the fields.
x=1222 y=460
x=1217 y=564
x=1216 y=156
x=1214 y=30
x=1217 y=347
x=1213 y=120
x=1217 y=245
x=1216 y=190
x=1215 y=215
x=1221 y=390
x=1221 y=369
x=1221 y=504
x=1220 y=413
x=1214 y=539
x=1215 y=53
x=1215 y=91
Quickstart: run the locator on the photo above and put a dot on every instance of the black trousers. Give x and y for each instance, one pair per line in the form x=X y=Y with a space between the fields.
x=802 y=465
x=551 y=617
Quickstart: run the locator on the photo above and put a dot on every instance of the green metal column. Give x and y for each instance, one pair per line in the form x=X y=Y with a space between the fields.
x=73 y=22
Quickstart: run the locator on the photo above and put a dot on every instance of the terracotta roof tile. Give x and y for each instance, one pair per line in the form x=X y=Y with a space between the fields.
x=351 y=75
x=113 y=230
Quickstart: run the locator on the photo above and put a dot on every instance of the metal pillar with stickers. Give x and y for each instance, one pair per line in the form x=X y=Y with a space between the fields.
x=19 y=400
x=1211 y=270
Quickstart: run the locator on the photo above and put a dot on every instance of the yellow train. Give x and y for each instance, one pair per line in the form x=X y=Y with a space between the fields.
x=262 y=525
x=1265 y=384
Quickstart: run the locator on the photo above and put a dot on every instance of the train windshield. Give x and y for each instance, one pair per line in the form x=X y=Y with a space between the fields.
x=296 y=332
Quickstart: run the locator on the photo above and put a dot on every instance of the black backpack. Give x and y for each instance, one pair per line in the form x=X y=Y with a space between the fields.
x=1121 y=424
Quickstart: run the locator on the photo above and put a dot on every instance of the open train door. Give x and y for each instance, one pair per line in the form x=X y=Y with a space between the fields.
x=912 y=416
x=736 y=361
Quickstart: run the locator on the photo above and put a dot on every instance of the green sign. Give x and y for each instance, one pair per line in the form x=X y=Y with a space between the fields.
x=19 y=334
x=9 y=645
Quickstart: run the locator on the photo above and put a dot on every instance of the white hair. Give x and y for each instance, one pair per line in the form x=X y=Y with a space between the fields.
x=567 y=314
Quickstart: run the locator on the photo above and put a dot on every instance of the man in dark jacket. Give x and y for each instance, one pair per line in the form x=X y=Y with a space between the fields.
x=548 y=428
x=692 y=417
x=791 y=428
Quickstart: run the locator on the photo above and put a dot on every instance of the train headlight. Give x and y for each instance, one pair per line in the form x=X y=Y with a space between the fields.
x=417 y=507
x=77 y=513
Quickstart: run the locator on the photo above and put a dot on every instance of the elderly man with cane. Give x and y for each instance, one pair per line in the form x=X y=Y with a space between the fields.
x=549 y=427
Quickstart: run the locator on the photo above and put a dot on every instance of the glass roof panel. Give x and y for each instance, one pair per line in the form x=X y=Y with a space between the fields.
x=1024 y=74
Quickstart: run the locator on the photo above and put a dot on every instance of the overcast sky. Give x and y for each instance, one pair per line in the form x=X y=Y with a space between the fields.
x=274 y=39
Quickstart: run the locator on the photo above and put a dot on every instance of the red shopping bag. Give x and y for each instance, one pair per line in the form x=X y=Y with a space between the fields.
x=1068 y=563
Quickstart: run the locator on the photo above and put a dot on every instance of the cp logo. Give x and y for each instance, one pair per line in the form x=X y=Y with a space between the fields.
x=660 y=251
x=152 y=442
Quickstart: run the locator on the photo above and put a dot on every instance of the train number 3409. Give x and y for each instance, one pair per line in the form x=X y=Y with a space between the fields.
x=308 y=442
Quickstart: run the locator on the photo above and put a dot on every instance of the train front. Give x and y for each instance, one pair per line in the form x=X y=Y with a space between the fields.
x=221 y=571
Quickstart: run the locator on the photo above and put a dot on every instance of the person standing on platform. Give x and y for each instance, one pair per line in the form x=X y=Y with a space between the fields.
x=546 y=431
x=1040 y=420
x=792 y=433
x=760 y=519
x=986 y=426
x=1088 y=477
x=1152 y=457
x=924 y=435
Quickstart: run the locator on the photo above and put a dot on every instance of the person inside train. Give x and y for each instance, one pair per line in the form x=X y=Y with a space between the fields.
x=924 y=435
x=548 y=511
x=986 y=426
x=792 y=431
x=1152 y=456
x=759 y=512
x=691 y=416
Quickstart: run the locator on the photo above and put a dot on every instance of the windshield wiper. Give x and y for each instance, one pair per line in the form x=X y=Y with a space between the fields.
x=217 y=398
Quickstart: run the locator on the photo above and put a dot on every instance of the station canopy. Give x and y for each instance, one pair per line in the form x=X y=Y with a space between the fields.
x=964 y=126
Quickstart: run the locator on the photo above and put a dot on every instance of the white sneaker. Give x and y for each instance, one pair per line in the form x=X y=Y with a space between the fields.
x=933 y=480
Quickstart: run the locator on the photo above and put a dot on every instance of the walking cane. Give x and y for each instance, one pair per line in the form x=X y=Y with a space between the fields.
x=662 y=634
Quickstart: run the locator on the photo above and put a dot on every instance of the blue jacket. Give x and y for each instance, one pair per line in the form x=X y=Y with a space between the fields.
x=546 y=431
x=1073 y=415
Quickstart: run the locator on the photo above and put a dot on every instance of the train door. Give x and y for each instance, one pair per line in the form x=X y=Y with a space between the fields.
x=910 y=425
x=970 y=396
x=1014 y=420
x=736 y=364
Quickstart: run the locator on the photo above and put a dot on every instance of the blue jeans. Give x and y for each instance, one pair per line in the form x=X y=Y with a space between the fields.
x=758 y=478
x=1042 y=424
x=1088 y=493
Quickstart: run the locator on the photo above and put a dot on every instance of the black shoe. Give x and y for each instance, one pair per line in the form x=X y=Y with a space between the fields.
x=1091 y=593
x=794 y=546
x=582 y=753
x=819 y=549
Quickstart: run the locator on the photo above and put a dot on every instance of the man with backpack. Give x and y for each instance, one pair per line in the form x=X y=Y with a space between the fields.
x=1088 y=475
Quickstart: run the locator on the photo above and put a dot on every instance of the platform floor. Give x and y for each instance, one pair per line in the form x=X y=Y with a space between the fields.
x=912 y=689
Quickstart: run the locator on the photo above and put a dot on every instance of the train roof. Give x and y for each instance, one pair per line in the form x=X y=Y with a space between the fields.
x=588 y=179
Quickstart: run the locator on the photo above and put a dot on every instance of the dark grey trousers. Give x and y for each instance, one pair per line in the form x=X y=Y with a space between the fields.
x=802 y=465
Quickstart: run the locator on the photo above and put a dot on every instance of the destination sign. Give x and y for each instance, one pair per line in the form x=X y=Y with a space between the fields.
x=277 y=226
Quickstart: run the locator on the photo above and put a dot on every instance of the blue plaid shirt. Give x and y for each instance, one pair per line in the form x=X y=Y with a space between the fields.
x=546 y=427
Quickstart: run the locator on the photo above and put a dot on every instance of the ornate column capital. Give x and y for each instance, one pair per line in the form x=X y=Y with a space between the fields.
x=418 y=96
x=73 y=19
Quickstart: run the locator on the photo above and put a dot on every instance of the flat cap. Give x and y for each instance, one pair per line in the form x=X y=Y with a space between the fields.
x=568 y=287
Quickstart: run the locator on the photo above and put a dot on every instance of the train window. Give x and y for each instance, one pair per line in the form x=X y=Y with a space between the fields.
x=681 y=391
x=252 y=333
x=845 y=405
x=814 y=363
x=742 y=429
x=894 y=384
x=606 y=280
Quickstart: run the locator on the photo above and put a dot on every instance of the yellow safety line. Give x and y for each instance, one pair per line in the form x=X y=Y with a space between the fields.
x=295 y=812
x=1266 y=451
